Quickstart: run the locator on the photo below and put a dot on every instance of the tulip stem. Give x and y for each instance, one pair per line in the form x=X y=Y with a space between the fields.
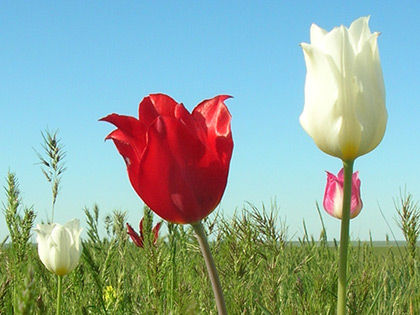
x=344 y=238
x=59 y=285
x=211 y=267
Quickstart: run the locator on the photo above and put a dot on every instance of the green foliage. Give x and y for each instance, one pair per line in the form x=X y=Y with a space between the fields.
x=92 y=220
x=19 y=226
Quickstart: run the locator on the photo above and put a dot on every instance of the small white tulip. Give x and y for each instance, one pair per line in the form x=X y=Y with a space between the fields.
x=344 y=110
x=59 y=246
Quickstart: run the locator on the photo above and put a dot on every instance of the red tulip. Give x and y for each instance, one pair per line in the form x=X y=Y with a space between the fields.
x=139 y=238
x=177 y=162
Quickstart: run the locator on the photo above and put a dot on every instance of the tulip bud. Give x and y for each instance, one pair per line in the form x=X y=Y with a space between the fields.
x=344 y=110
x=333 y=197
x=59 y=246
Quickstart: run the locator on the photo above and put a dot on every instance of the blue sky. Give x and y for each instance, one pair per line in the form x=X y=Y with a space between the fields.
x=64 y=64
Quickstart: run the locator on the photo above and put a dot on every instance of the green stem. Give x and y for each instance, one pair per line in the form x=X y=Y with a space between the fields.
x=344 y=239
x=211 y=267
x=59 y=285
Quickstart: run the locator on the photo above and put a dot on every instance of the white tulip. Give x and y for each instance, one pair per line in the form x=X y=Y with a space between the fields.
x=59 y=246
x=344 y=110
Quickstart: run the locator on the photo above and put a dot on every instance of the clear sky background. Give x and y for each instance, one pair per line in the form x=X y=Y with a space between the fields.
x=64 y=64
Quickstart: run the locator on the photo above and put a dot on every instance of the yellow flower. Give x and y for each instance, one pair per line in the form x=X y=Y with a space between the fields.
x=109 y=296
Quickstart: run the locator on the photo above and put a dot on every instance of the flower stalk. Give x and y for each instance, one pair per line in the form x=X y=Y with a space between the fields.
x=59 y=286
x=211 y=267
x=344 y=239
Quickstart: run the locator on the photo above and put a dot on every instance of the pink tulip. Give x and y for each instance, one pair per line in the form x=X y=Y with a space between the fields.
x=333 y=197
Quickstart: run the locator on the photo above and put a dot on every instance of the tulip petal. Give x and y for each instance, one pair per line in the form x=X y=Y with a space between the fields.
x=359 y=32
x=370 y=104
x=173 y=153
x=156 y=105
x=213 y=116
x=330 y=194
x=141 y=227
x=60 y=250
x=319 y=118
x=74 y=229
x=130 y=140
x=132 y=131
x=356 y=201
x=317 y=35
x=156 y=232
x=137 y=240
x=43 y=232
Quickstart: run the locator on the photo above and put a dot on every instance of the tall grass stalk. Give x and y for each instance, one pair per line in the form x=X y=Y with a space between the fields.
x=20 y=233
x=409 y=221
x=52 y=163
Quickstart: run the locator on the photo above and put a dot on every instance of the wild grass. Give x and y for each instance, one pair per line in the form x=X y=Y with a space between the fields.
x=52 y=163
x=261 y=271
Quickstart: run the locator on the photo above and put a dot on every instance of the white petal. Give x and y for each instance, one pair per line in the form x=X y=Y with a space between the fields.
x=44 y=252
x=370 y=110
x=359 y=32
x=72 y=225
x=317 y=35
x=44 y=229
x=319 y=118
x=60 y=256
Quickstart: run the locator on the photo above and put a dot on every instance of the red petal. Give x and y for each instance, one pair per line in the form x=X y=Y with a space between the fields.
x=130 y=140
x=141 y=227
x=169 y=170
x=122 y=142
x=134 y=131
x=128 y=153
x=156 y=105
x=156 y=232
x=137 y=240
x=213 y=116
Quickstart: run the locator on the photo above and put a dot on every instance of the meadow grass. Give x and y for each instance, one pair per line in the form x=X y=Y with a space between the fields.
x=261 y=271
